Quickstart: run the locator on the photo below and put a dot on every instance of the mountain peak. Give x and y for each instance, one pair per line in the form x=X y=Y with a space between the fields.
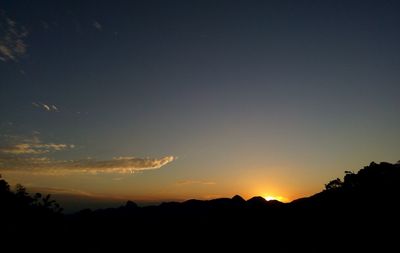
x=238 y=198
x=258 y=200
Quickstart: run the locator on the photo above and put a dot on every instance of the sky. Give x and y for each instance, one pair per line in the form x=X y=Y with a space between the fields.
x=171 y=100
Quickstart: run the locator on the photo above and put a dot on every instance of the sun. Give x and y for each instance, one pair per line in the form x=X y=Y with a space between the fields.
x=270 y=197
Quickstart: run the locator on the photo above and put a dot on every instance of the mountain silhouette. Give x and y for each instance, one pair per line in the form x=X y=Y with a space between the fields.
x=357 y=213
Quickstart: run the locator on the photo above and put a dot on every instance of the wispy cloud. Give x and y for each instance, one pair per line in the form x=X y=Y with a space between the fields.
x=31 y=145
x=62 y=191
x=12 y=44
x=97 y=25
x=26 y=155
x=46 y=107
x=44 y=165
x=34 y=148
x=190 y=182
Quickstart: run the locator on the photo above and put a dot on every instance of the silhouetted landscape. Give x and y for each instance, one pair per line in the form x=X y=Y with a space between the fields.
x=137 y=126
x=355 y=213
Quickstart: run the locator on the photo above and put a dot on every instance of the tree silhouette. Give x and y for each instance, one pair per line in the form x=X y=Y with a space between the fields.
x=334 y=184
x=21 y=200
x=4 y=186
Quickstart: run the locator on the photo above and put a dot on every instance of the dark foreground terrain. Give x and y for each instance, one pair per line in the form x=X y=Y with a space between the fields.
x=356 y=214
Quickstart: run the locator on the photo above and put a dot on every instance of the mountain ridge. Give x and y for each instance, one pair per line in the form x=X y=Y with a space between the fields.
x=362 y=205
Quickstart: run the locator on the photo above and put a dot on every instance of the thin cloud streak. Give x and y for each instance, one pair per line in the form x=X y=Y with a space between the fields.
x=63 y=191
x=47 y=166
x=34 y=148
x=190 y=182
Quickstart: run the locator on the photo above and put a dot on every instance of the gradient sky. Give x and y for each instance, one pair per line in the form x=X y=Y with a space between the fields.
x=169 y=100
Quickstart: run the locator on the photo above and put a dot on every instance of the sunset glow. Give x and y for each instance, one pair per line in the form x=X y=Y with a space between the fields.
x=204 y=124
x=279 y=198
x=174 y=100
